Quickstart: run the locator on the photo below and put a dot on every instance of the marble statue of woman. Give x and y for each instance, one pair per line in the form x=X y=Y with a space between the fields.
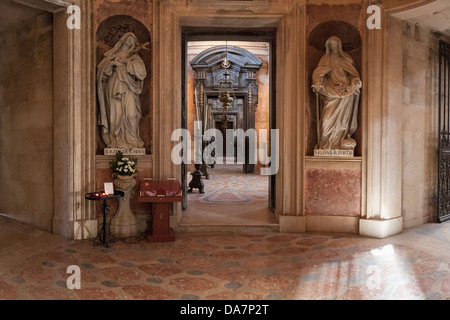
x=120 y=77
x=338 y=83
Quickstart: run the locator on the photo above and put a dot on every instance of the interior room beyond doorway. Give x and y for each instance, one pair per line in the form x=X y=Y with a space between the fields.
x=236 y=195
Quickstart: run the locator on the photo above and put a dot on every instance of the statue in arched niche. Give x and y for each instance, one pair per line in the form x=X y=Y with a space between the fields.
x=120 y=77
x=338 y=83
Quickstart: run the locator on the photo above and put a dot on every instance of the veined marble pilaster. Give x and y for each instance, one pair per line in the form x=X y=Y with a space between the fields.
x=290 y=110
x=74 y=121
x=383 y=152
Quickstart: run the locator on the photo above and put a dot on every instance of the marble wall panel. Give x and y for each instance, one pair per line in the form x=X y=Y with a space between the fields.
x=419 y=127
x=333 y=192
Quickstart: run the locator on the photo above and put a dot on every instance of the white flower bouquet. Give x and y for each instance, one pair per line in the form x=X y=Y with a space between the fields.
x=123 y=166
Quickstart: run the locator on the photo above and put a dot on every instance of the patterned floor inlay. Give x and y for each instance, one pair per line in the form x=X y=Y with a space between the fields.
x=223 y=265
x=231 y=199
x=228 y=184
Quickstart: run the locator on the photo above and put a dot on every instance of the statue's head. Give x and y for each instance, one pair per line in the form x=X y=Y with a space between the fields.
x=129 y=40
x=333 y=45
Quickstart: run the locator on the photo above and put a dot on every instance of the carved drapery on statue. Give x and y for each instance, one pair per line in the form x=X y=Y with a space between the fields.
x=120 y=77
x=337 y=82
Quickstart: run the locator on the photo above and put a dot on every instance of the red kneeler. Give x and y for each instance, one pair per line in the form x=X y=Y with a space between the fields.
x=161 y=193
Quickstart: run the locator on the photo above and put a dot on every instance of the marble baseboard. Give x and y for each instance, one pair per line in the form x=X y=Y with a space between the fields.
x=376 y=228
x=303 y=224
x=77 y=230
x=337 y=224
x=292 y=224
x=85 y=229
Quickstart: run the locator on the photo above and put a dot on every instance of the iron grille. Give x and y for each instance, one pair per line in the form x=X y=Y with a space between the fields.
x=444 y=132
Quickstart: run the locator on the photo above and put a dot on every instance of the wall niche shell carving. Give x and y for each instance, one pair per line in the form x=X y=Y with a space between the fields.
x=348 y=33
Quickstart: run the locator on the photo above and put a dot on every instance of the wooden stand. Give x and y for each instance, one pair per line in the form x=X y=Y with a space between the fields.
x=160 y=230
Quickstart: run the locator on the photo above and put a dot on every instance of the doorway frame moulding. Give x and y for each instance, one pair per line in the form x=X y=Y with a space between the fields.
x=169 y=19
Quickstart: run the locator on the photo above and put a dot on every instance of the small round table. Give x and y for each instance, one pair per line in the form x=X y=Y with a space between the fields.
x=102 y=234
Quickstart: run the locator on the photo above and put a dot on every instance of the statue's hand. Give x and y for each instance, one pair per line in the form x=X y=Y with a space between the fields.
x=119 y=61
x=117 y=96
x=146 y=46
x=357 y=83
x=317 y=87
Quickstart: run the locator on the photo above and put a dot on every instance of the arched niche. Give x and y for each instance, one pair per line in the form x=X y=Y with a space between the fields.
x=352 y=44
x=108 y=33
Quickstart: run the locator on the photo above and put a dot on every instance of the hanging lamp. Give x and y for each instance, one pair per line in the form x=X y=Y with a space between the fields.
x=226 y=85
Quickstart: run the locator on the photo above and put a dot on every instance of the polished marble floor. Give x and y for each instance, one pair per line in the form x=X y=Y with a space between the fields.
x=413 y=265
x=232 y=201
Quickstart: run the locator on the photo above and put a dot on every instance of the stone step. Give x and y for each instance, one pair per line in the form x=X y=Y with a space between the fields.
x=189 y=228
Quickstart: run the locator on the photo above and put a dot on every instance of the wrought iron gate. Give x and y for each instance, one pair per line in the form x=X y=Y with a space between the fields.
x=444 y=132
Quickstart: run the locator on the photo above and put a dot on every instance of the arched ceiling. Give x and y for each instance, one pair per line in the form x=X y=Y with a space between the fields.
x=435 y=16
x=13 y=13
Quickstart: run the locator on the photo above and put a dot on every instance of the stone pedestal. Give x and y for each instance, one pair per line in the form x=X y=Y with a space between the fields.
x=124 y=224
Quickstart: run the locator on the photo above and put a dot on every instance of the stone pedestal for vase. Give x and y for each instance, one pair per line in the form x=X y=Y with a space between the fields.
x=124 y=224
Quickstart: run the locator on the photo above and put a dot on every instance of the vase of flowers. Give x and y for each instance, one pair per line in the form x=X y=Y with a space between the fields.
x=123 y=166
x=124 y=224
